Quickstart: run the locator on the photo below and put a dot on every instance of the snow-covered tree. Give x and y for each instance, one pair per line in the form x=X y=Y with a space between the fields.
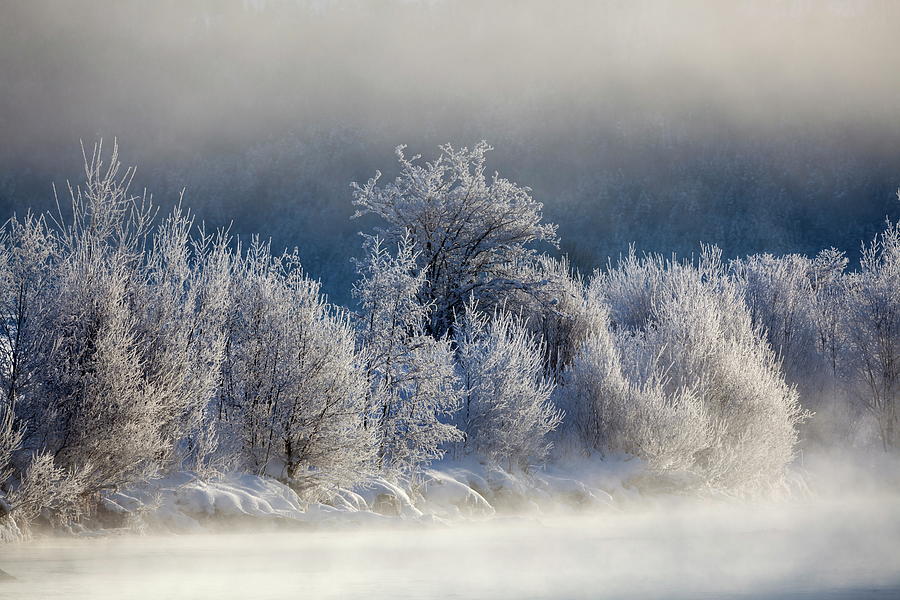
x=468 y=231
x=873 y=329
x=621 y=403
x=182 y=320
x=112 y=336
x=558 y=312
x=829 y=307
x=412 y=383
x=799 y=303
x=507 y=412
x=292 y=388
x=94 y=407
x=685 y=347
x=30 y=481
x=780 y=295
x=27 y=288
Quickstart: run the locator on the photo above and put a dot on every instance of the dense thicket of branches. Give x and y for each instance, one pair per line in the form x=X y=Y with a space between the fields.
x=133 y=346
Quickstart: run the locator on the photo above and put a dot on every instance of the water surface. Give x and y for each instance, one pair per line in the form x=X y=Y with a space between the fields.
x=836 y=549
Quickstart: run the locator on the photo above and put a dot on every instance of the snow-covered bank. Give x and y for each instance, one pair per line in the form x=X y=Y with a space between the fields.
x=450 y=492
x=459 y=492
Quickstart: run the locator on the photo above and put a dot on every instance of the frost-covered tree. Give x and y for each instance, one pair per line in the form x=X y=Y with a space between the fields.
x=685 y=346
x=622 y=403
x=412 y=384
x=780 y=295
x=182 y=320
x=558 y=312
x=799 y=303
x=873 y=329
x=469 y=231
x=30 y=481
x=829 y=308
x=94 y=406
x=113 y=335
x=29 y=253
x=292 y=389
x=506 y=412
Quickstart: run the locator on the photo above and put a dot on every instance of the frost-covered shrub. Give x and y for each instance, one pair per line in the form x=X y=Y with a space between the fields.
x=506 y=412
x=873 y=329
x=800 y=304
x=468 y=230
x=412 y=383
x=112 y=337
x=557 y=310
x=709 y=390
x=829 y=309
x=30 y=481
x=780 y=295
x=43 y=489
x=629 y=289
x=95 y=403
x=618 y=406
x=182 y=322
x=292 y=390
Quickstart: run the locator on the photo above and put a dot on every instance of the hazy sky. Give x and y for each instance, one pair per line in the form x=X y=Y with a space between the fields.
x=267 y=110
x=198 y=72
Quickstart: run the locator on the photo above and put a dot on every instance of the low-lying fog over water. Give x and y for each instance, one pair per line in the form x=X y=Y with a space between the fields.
x=820 y=549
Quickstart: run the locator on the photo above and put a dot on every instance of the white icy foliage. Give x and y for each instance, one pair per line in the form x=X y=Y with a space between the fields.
x=411 y=375
x=292 y=390
x=617 y=408
x=99 y=405
x=109 y=352
x=873 y=330
x=684 y=377
x=559 y=312
x=779 y=291
x=468 y=230
x=182 y=320
x=507 y=412
x=799 y=303
x=132 y=348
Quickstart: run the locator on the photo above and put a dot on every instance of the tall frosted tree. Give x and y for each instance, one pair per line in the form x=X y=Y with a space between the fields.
x=873 y=329
x=95 y=406
x=292 y=389
x=412 y=383
x=506 y=412
x=468 y=230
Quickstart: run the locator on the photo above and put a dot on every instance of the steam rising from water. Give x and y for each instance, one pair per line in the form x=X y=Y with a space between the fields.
x=830 y=549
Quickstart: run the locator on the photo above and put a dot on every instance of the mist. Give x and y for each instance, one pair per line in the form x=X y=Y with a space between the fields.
x=758 y=126
x=836 y=549
x=656 y=356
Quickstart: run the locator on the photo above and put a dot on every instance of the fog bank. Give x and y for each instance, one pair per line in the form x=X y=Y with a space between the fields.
x=760 y=126
x=822 y=549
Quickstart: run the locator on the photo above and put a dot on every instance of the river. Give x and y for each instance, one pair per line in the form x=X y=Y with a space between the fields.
x=824 y=549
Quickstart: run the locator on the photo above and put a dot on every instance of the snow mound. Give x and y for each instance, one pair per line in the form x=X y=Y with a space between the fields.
x=388 y=499
x=448 y=493
x=183 y=502
x=443 y=496
x=238 y=496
